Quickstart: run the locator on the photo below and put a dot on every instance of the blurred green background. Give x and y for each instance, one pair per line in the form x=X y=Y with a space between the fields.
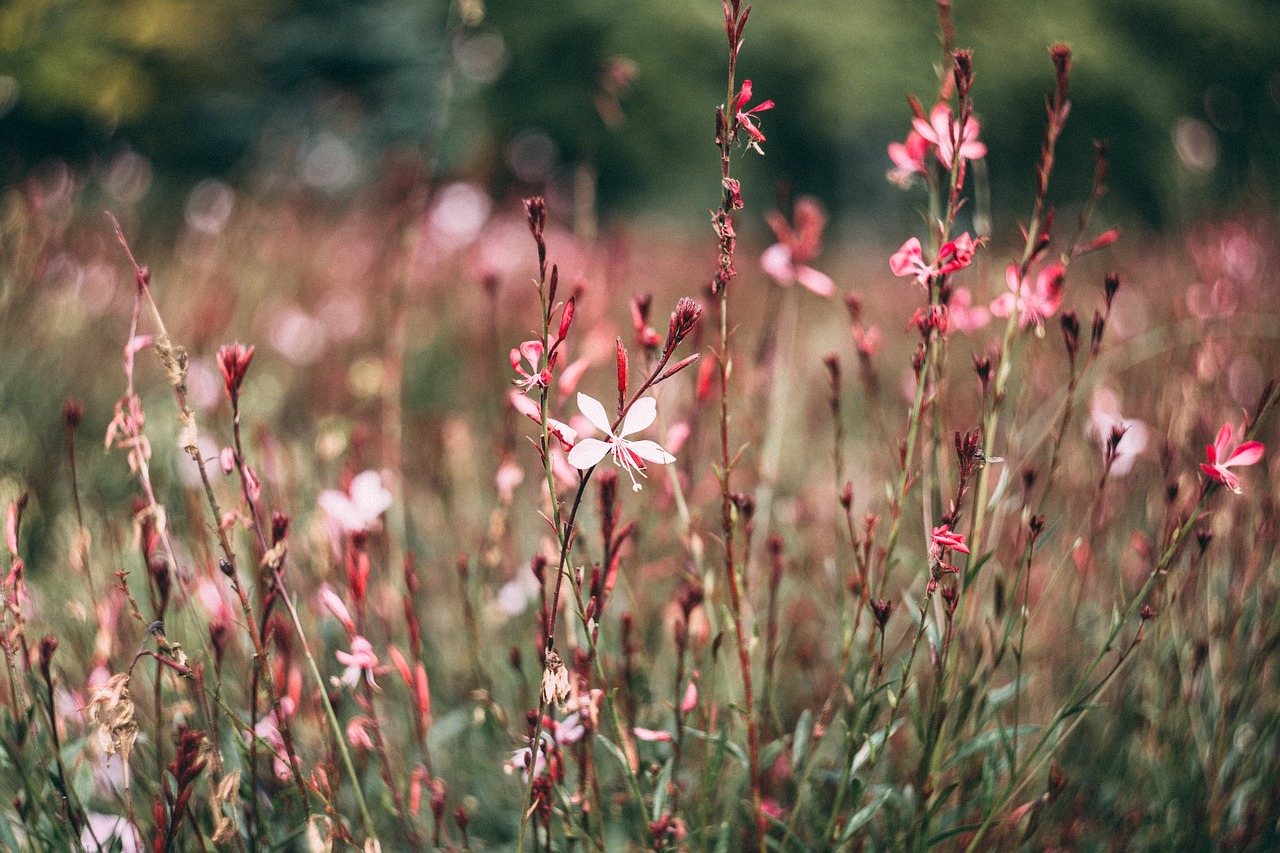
x=521 y=96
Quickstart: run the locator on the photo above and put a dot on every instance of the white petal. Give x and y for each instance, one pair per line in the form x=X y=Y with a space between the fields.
x=639 y=416
x=339 y=508
x=588 y=452
x=368 y=493
x=650 y=452
x=563 y=431
x=595 y=413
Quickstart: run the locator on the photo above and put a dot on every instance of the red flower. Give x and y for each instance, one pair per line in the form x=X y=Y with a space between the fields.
x=1220 y=459
x=233 y=359
x=744 y=118
x=942 y=538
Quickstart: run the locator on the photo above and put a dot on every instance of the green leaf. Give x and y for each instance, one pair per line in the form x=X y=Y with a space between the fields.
x=975 y=566
x=800 y=741
x=872 y=743
x=721 y=741
x=660 y=789
x=6 y=833
x=986 y=740
x=862 y=816
x=998 y=697
x=614 y=750
x=722 y=839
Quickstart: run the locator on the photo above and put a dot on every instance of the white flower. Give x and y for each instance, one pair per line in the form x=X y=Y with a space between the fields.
x=628 y=455
x=360 y=509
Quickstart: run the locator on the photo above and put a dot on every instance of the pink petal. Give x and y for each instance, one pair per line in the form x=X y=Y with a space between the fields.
x=570 y=375
x=525 y=406
x=690 y=700
x=1003 y=305
x=1246 y=454
x=1223 y=440
x=819 y=283
x=588 y=453
x=907 y=259
x=776 y=262
x=651 y=735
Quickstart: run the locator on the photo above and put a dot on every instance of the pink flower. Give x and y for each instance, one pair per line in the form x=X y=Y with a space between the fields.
x=332 y=602
x=690 y=700
x=530 y=351
x=942 y=131
x=1032 y=304
x=744 y=118
x=359 y=661
x=942 y=538
x=908 y=158
x=1222 y=456
x=358 y=729
x=651 y=735
x=954 y=255
x=359 y=508
x=965 y=316
x=628 y=455
x=785 y=260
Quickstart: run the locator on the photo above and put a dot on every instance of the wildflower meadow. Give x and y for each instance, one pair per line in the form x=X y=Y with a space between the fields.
x=430 y=520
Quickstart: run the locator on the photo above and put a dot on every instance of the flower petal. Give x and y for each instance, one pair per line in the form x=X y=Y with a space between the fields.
x=650 y=451
x=1246 y=454
x=907 y=259
x=776 y=262
x=641 y=414
x=368 y=493
x=820 y=283
x=340 y=508
x=588 y=452
x=1224 y=438
x=594 y=412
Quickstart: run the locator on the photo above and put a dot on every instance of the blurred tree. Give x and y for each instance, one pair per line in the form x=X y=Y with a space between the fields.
x=622 y=94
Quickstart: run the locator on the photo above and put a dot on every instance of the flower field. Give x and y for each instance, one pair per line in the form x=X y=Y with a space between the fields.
x=428 y=521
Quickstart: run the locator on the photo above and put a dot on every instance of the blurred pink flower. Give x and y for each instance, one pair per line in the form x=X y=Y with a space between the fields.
x=942 y=130
x=651 y=735
x=509 y=476
x=1032 y=304
x=360 y=506
x=690 y=700
x=965 y=316
x=1223 y=455
x=332 y=602
x=785 y=261
x=628 y=455
x=359 y=661
x=908 y=158
x=358 y=729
